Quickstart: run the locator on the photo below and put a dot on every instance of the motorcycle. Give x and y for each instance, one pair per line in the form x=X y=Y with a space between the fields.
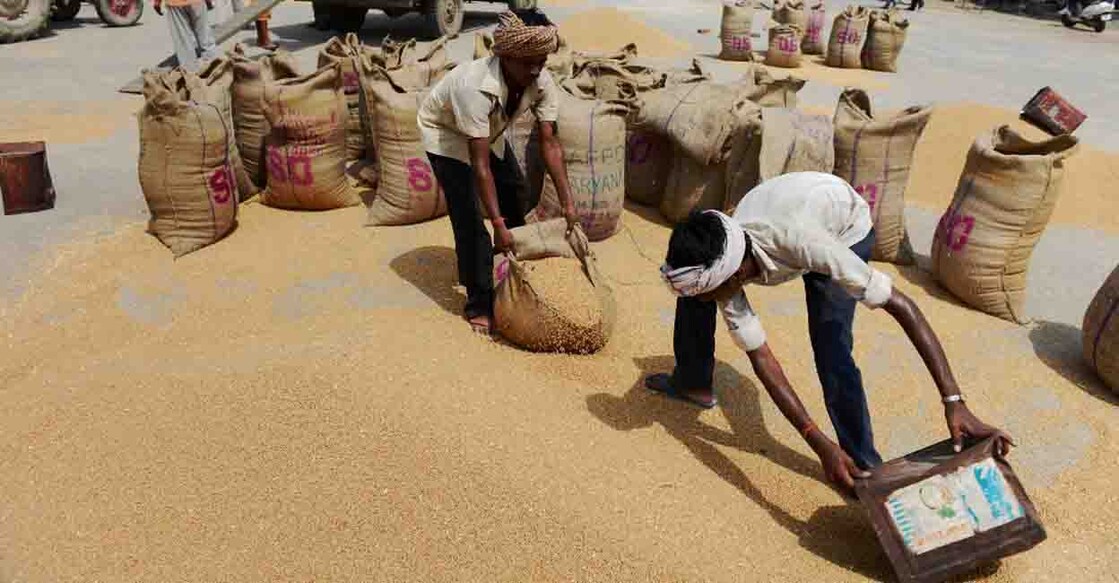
x=1095 y=14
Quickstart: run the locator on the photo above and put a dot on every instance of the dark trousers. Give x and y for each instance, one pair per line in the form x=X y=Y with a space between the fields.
x=831 y=315
x=473 y=245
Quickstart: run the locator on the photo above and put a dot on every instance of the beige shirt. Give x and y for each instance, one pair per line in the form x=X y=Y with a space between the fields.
x=470 y=103
x=803 y=222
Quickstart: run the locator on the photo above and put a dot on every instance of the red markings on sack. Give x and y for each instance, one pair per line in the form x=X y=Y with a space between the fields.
x=955 y=229
x=419 y=174
x=640 y=148
x=869 y=192
x=350 y=82
x=848 y=37
x=737 y=43
x=787 y=44
x=293 y=167
x=221 y=185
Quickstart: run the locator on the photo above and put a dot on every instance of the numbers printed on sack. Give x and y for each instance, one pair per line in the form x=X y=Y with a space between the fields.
x=848 y=37
x=738 y=43
x=869 y=192
x=640 y=148
x=787 y=44
x=350 y=83
x=419 y=174
x=955 y=229
x=221 y=185
x=294 y=168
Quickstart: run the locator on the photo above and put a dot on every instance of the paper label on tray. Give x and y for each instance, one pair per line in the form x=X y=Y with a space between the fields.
x=941 y=510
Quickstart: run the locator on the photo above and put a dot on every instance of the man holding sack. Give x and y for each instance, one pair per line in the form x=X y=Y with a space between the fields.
x=463 y=122
x=815 y=226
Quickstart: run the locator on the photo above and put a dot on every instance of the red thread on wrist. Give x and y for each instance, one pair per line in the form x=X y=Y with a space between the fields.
x=804 y=431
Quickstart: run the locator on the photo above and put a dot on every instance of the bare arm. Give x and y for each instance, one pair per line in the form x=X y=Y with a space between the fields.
x=487 y=191
x=552 y=152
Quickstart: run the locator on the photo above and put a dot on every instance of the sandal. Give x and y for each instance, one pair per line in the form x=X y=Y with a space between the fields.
x=662 y=383
x=481 y=325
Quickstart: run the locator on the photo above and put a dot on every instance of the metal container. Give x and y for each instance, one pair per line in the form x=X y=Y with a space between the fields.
x=1052 y=113
x=939 y=514
x=25 y=180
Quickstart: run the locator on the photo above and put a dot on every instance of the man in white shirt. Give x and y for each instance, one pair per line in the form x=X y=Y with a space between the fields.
x=815 y=226
x=463 y=123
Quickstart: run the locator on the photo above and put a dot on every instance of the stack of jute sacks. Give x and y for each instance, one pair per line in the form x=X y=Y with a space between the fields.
x=242 y=127
x=860 y=37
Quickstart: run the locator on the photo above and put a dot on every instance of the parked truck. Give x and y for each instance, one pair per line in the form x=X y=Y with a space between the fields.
x=444 y=17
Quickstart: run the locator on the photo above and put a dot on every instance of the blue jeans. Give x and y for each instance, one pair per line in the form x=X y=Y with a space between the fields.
x=831 y=316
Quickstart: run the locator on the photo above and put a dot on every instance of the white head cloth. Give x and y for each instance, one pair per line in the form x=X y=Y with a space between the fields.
x=696 y=279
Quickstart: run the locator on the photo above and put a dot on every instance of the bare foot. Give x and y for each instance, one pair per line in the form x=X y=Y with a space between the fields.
x=481 y=325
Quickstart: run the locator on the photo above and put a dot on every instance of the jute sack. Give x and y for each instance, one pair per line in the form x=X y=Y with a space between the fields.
x=407 y=191
x=573 y=312
x=249 y=123
x=1006 y=193
x=885 y=37
x=696 y=116
x=593 y=136
x=523 y=137
x=874 y=155
x=1101 y=331
x=185 y=166
x=648 y=161
x=735 y=30
x=848 y=33
x=813 y=43
x=348 y=52
x=692 y=186
x=760 y=87
x=612 y=81
x=784 y=46
x=422 y=67
x=743 y=172
x=214 y=85
x=794 y=141
x=306 y=151
x=791 y=12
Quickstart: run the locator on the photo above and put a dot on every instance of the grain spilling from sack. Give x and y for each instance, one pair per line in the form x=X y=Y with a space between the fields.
x=848 y=34
x=692 y=186
x=215 y=83
x=407 y=191
x=814 y=43
x=761 y=87
x=550 y=296
x=347 y=53
x=735 y=29
x=1101 y=331
x=885 y=37
x=306 y=151
x=874 y=155
x=1005 y=195
x=784 y=46
x=186 y=171
x=593 y=136
x=250 y=124
x=795 y=141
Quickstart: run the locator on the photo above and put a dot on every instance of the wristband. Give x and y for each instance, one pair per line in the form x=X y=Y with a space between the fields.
x=953 y=399
x=804 y=431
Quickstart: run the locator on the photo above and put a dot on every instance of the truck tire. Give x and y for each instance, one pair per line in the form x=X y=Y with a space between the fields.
x=23 y=19
x=522 y=4
x=65 y=10
x=119 y=12
x=444 y=17
x=347 y=18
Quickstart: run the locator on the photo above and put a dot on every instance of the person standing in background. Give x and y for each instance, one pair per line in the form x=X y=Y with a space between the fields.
x=190 y=30
x=263 y=34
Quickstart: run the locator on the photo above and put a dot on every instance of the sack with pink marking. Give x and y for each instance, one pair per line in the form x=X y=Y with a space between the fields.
x=347 y=52
x=784 y=46
x=874 y=155
x=1006 y=194
x=250 y=125
x=735 y=30
x=814 y=43
x=848 y=34
x=185 y=167
x=213 y=84
x=306 y=151
x=885 y=37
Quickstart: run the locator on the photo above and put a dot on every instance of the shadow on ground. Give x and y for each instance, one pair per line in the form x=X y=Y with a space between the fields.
x=839 y=534
x=432 y=270
x=1060 y=347
x=293 y=37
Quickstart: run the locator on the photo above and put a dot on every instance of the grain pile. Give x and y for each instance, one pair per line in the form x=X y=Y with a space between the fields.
x=601 y=29
x=63 y=122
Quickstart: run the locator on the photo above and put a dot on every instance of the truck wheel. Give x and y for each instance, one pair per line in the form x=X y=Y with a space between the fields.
x=23 y=19
x=119 y=12
x=444 y=17
x=65 y=10
x=522 y=4
x=395 y=12
x=1099 y=25
x=347 y=18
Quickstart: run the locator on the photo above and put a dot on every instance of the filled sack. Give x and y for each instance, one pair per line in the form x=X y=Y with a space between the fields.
x=593 y=136
x=885 y=37
x=735 y=30
x=742 y=168
x=185 y=165
x=692 y=186
x=759 y=86
x=347 y=52
x=848 y=34
x=648 y=161
x=214 y=83
x=790 y=12
x=795 y=141
x=784 y=46
x=306 y=150
x=249 y=122
x=874 y=155
x=698 y=117
x=813 y=42
x=407 y=191
x=1005 y=196
x=550 y=296
x=1101 y=331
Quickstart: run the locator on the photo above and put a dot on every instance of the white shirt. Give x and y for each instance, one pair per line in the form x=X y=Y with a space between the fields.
x=470 y=103
x=803 y=222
